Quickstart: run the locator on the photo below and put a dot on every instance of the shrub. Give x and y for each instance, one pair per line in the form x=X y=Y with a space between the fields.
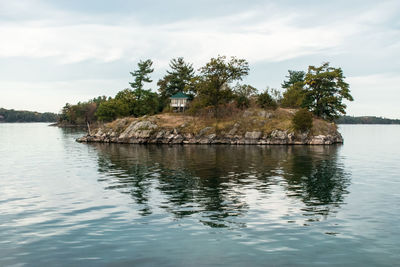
x=265 y=100
x=243 y=94
x=302 y=120
x=196 y=106
x=112 y=109
x=293 y=96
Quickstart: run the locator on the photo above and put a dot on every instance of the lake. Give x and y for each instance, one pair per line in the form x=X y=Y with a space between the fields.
x=67 y=203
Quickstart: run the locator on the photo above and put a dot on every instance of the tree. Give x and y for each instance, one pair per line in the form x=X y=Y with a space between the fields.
x=147 y=105
x=265 y=100
x=293 y=78
x=177 y=78
x=140 y=101
x=294 y=95
x=242 y=94
x=212 y=85
x=142 y=75
x=112 y=109
x=325 y=91
x=127 y=97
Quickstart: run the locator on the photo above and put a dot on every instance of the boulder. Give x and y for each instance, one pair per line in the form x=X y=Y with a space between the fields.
x=204 y=131
x=138 y=129
x=253 y=135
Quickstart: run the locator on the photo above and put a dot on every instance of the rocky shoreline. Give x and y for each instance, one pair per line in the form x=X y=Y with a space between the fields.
x=148 y=132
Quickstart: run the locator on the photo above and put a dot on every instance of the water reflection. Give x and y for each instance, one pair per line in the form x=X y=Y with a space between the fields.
x=220 y=184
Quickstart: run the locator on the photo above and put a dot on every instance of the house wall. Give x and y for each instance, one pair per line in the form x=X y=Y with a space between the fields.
x=178 y=102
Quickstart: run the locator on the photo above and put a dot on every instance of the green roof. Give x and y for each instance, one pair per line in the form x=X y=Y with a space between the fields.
x=180 y=95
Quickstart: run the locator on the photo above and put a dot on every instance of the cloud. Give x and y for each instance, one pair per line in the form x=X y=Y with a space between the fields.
x=247 y=35
x=77 y=43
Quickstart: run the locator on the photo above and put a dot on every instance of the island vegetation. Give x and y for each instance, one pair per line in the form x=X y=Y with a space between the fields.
x=11 y=115
x=215 y=90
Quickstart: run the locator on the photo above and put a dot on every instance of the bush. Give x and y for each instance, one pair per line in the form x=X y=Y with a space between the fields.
x=293 y=96
x=265 y=100
x=243 y=94
x=112 y=109
x=302 y=120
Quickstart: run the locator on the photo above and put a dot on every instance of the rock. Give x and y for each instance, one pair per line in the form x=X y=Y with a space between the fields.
x=317 y=140
x=139 y=129
x=188 y=136
x=177 y=139
x=143 y=134
x=264 y=114
x=160 y=134
x=247 y=113
x=252 y=135
x=204 y=141
x=204 y=131
x=278 y=134
x=145 y=131
x=211 y=136
x=232 y=131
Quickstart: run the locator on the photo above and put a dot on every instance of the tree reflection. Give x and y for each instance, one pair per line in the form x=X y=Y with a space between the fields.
x=215 y=183
x=316 y=176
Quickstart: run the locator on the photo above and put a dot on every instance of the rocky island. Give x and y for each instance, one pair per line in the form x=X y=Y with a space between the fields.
x=252 y=126
x=209 y=108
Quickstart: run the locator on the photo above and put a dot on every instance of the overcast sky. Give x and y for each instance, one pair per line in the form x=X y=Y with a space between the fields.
x=53 y=52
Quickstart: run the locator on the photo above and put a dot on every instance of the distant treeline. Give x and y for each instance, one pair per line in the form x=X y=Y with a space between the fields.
x=10 y=115
x=365 y=120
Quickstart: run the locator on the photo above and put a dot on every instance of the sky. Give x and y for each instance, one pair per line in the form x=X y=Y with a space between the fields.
x=56 y=52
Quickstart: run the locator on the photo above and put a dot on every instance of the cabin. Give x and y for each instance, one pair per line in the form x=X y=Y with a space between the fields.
x=179 y=101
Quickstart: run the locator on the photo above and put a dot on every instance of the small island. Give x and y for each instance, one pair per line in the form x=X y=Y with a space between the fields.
x=212 y=107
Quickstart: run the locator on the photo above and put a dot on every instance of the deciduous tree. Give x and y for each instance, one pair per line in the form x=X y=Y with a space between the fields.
x=325 y=90
x=213 y=83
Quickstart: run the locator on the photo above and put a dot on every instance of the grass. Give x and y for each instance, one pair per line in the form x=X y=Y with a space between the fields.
x=246 y=121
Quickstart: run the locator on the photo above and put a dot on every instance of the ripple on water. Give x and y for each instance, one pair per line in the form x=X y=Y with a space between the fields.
x=79 y=204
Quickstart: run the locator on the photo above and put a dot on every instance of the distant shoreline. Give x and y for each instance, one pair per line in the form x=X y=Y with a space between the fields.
x=23 y=116
x=367 y=120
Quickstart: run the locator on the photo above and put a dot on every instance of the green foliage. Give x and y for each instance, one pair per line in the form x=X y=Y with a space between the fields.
x=293 y=78
x=242 y=94
x=302 y=120
x=325 y=91
x=266 y=101
x=141 y=75
x=293 y=97
x=128 y=98
x=148 y=104
x=11 y=115
x=112 y=109
x=177 y=78
x=212 y=86
x=294 y=94
x=322 y=91
x=196 y=106
x=81 y=113
x=140 y=101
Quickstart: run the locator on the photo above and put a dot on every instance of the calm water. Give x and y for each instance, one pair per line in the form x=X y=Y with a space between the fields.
x=65 y=203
